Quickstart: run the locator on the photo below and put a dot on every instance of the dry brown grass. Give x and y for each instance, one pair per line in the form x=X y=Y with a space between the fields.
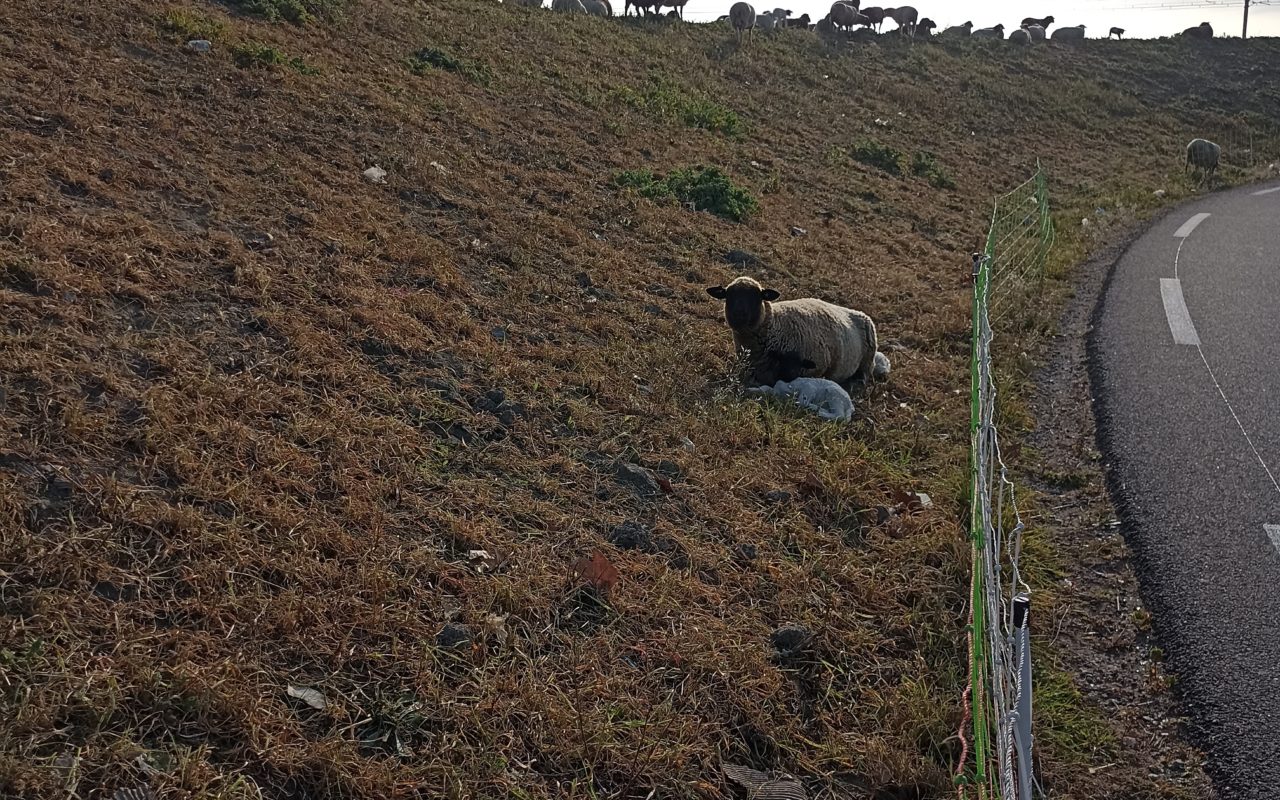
x=230 y=465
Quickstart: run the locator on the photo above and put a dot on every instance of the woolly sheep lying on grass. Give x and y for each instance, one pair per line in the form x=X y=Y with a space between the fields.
x=1074 y=33
x=827 y=398
x=839 y=342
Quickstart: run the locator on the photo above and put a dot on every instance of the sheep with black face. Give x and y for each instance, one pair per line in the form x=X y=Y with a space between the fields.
x=839 y=343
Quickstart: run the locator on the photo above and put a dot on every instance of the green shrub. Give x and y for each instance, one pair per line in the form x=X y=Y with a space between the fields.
x=298 y=12
x=252 y=54
x=429 y=58
x=667 y=101
x=190 y=25
x=703 y=188
x=925 y=165
x=880 y=156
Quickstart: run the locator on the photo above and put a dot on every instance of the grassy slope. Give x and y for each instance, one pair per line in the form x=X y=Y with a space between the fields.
x=231 y=466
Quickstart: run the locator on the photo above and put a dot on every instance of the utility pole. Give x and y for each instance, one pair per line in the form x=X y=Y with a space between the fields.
x=1244 y=34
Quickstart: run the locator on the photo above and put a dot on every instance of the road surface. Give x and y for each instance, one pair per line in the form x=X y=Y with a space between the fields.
x=1186 y=363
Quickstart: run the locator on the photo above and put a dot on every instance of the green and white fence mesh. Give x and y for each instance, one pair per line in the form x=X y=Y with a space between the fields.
x=1008 y=273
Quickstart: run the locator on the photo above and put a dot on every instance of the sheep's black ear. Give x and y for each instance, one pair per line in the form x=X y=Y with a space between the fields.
x=770 y=294
x=717 y=292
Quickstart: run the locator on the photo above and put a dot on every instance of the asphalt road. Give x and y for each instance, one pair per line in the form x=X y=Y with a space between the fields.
x=1186 y=368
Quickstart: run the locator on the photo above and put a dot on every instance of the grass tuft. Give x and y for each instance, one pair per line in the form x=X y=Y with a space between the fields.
x=248 y=55
x=925 y=164
x=667 y=101
x=878 y=155
x=190 y=24
x=701 y=188
x=432 y=58
x=299 y=12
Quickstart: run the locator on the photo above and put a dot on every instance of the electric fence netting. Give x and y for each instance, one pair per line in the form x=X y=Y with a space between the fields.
x=1006 y=275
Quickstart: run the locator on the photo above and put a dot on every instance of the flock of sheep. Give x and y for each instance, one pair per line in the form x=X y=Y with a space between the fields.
x=845 y=17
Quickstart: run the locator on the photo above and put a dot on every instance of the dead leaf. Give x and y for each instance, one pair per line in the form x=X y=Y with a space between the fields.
x=495 y=625
x=664 y=484
x=596 y=571
x=766 y=786
x=309 y=696
x=912 y=501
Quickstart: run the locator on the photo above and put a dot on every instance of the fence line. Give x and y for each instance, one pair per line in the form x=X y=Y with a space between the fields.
x=999 y=691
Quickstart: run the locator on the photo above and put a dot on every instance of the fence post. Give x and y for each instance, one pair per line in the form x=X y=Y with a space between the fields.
x=977 y=600
x=1022 y=739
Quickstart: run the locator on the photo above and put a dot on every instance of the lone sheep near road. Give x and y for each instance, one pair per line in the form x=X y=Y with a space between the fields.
x=743 y=18
x=840 y=342
x=1202 y=155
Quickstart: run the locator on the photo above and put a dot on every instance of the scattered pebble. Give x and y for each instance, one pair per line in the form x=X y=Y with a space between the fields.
x=375 y=175
x=499 y=333
x=199 y=45
x=797 y=231
x=453 y=634
x=637 y=479
x=631 y=535
x=791 y=639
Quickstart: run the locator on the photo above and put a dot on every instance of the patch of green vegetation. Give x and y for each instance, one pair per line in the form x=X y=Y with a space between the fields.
x=668 y=101
x=253 y=54
x=299 y=12
x=878 y=155
x=1068 y=726
x=703 y=188
x=925 y=165
x=429 y=58
x=191 y=25
x=1067 y=479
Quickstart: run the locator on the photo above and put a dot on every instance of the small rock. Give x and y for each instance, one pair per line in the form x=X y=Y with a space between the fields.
x=778 y=497
x=453 y=634
x=439 y=168
x=631 y=536
x=745 y=553
x=742 y=258
x=1158 y=193
x=653 y=309
x=499 y=334
x=199 y=45
x=375 y=175
x=636 y=478
x=660 y=290
x=669 y=468
x=687 y=444
x=791 y=639
x=332 y=248
x=584 y=280
x=796 y=231
x=258 y=240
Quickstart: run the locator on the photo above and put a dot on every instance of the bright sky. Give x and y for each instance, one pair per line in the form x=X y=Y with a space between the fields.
x=1096 y=15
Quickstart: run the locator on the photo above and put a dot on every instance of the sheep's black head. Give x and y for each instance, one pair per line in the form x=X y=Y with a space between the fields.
x=744 y=302
x=1047 y=21
x=768 y=369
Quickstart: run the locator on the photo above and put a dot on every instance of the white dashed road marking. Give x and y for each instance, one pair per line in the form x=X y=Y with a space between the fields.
x=1273 y=533
x=1190 y=225
x=1175 y=308
x=1267 y=191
